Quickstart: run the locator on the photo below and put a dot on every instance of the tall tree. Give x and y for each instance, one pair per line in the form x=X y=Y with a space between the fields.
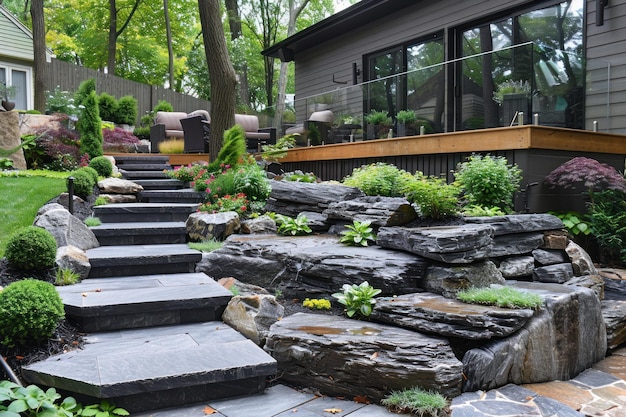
x=39 y=50
x=114 y=33
x=168 y=35
x=221 y=73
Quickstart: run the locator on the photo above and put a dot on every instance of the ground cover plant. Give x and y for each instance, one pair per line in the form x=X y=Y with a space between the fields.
x=358 y=299
x=358 y=233
x=417 y=402
x=378 y=179
x=500 y=296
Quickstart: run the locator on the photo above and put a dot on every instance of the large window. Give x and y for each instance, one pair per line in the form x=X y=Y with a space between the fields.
x=540 y=49
x=17 y=77
x=409 y=77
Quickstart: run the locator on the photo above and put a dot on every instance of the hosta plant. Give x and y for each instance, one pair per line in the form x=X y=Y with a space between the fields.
x=358 y=233
x=290 y=226
x=358 y=299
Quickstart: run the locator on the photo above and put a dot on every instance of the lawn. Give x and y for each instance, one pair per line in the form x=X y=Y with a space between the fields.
x=22 y=196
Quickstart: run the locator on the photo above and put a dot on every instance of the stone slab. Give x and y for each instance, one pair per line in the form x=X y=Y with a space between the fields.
x=519 y=223
x=144 y=212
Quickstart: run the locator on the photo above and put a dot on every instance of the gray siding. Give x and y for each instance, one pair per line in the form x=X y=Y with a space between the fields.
x=21 y=45
x=606 y=51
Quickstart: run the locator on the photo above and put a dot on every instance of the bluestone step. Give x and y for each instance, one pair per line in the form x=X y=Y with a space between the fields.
x=144 y=212
x=104 y=304
x=160 y=184
x=145 y=166
x=186 y=195
x=121 y=160
x=116 y=261
x=133 y=175
x=144 y=233
x=158 y=367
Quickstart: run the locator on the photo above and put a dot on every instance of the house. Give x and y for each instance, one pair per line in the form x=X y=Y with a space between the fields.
x=386 y=54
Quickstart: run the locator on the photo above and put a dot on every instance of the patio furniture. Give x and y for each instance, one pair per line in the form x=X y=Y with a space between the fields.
x=255 y=136
x=315 y=130
x=192 y=127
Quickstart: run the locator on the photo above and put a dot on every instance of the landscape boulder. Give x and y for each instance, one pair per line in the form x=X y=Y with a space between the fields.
x=10 y=137
x=66 y=228
x=114 y=185
x=75 y=259
x=380 y=211
x=252 y=315
x=205 y=226
x=448 y=280
x=259 y=225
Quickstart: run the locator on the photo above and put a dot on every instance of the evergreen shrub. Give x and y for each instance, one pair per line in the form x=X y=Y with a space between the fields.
x=126 y=110
x=89 y=127
x=31 y=248
x=30 y=311
x=84 y=181
x=107 y=107
x=102 y=165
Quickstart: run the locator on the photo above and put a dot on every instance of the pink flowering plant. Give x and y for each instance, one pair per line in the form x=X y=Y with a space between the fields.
x=237 y=203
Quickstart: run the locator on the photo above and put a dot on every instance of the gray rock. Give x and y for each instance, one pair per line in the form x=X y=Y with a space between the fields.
x=593 y=282
x=113 y=185
x=119 y=198
x=252 y=315
x=314 y=265
x=450 y=244
x=318 y=222
x=259 y=225
x=582 y=263
x=515 y=244
x=562 y=339
x=517 y=266
x=240 y=287
x=290 y=198
x=344 y=357
x=558 y=273
x=204 y=226
x=448 y=280
x=519 y=223
x=75 y=259
x=555 y=239
x=66 y=228
x=380 y=211
x=614 y=282
x=430 y=313
x=549 y=256
x=614 y=314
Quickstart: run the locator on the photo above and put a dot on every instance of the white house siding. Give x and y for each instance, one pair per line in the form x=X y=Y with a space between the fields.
x=605 y=45
x=20 y=46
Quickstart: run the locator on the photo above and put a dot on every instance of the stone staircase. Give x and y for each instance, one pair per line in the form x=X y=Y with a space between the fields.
x=154 y=333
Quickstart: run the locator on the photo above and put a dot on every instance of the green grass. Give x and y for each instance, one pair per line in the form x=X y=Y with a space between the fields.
x=22 y=195
x=501 y=296
x=206 y=246
x=416 y=401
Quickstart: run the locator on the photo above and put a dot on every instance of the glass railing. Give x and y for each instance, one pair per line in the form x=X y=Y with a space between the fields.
x=527 y=85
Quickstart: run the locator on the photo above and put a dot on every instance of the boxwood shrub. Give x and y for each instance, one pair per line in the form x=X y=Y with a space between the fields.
x=31 y=248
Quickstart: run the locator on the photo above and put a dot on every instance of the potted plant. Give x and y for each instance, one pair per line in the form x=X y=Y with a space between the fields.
x=7 y=92
x=406 y=122
x=378 y=124
x=512 y=96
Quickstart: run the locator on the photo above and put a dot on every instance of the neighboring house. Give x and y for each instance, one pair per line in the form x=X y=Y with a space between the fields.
x=444 y=59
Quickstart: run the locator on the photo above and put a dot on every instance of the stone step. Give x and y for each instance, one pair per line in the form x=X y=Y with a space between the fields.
x=186 y=195
x=116 y=261
x=135 y=175
x=144 y=212
x=143 y=233
x=105 y=304
x=146 y=167
x=160 y=184
x=158 y=367
x=141 y=159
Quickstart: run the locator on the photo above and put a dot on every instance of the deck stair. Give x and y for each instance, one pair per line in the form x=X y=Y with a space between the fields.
x=155 y=338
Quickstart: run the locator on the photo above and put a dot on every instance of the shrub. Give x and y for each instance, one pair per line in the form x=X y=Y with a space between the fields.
x=480 y=211
x=233 y=148
x=358 y=298
x=488 y=181
x=376 y=117
x=497 y=295
x=378 y=179
x=91 y=139
x=251 y=180
x=107 y=107
x=84 y=181
x=607 y=214
x=186 y=173
x=59 y=101
x=84 y=90
x=591 y=174
x=56 y=149
x=358 y=234
x=299 y=176
x=162 y=105
x=119 y=140
x=102 y=165
x=416 y=401
x=30 y=311
x=126 y=110
x=31 y=248
x=436 y=199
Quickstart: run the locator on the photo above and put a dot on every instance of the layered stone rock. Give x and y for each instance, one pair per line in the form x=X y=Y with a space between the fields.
x=582 y=264
x=313 y=266
x=113 y=185
x=74 y=259
x=289 y=198
x=344 y=357
x=434 y=314
x=515 y=244
x=449 y=280
x=259 y=225
x=380 y=211
x=566 y=336
x=252 y=315
x=206 y=226
x=614 y=314
x=517 y=267
x=66 y=228
x=450 y=244
x=519 y=223
x=558 y=273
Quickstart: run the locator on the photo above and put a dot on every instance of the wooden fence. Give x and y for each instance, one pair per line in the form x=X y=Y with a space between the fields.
x=68 y=77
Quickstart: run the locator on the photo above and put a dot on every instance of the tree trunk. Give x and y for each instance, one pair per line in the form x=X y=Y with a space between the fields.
x=39 y=48
x=221 y=74
x=168 y=34
x=112 y=37
x=491 y=107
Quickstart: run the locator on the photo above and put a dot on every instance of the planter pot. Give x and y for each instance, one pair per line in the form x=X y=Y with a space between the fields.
x=8 y=105
x=512 y=103
x=406 y=129
x=377 y=131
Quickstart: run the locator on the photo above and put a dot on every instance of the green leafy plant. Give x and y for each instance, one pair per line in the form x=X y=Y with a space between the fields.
x=30 y=311
x=163 y=105
x=358 y=233
x=91 y=138
x=206 y=245
x=299 y=176
x=235 y=290
x=100 y=201
x=92 y=221
x=475 y=210
x=316 y=304
x=186 y=173
x=102 y=165
x=358 y=298
x=237 y=203
x=417 y=402
x=6 y=164
x=488 y=181
x=434 y=197
x=31 y=248
x=378 y=118
x=65 y=276
x=84 y=182
x=126 y=110
x=233 y=148
x=104 y=409
x=293 y=227
x=510 y=87
x=406 y=116
x=60 y=101
x=574 y=222
x=378 y=179
x=251 y=180
x=273 y=153
x=608 y=222
x=107 y=107
x=500 y=296
x=16 y=401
